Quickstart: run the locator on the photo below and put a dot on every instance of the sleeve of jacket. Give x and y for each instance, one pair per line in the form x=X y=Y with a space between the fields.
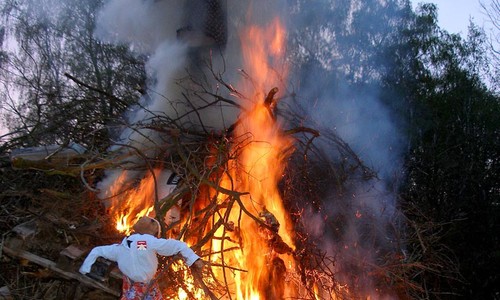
x=169 y=247
x=109 y=252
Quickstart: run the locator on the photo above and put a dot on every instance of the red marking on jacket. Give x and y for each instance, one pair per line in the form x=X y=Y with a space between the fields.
x=142 y=245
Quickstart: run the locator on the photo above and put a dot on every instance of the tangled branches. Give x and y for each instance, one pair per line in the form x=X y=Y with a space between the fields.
x=330 y=232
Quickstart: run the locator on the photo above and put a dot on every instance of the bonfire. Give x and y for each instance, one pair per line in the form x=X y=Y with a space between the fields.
x=240 y=197
x=226 y=201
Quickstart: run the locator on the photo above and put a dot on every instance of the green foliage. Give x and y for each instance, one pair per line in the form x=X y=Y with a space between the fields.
x=433 y=83
x=454 y=162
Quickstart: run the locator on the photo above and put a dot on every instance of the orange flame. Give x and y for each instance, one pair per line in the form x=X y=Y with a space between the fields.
x=262 y=150
x=263 y=50
x=129 y=203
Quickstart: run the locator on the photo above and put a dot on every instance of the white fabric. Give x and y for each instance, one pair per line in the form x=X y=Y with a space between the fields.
x=138 y=261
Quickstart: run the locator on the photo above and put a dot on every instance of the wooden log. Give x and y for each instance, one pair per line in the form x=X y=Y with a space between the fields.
x=53 y=267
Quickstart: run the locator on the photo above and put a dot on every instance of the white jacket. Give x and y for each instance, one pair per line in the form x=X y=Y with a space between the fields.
x=136 y=255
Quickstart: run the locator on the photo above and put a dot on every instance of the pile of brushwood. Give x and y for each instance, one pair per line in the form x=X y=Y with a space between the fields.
x=50 y=214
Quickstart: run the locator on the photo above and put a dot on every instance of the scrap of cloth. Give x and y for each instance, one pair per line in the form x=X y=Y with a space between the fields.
x=140 y=291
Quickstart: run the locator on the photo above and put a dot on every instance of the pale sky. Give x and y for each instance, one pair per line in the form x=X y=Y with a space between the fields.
x=454 y=15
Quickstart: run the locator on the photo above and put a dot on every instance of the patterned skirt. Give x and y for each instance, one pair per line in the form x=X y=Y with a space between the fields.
x=140 y=291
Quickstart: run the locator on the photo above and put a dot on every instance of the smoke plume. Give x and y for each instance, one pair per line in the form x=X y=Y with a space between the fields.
x=355 y=226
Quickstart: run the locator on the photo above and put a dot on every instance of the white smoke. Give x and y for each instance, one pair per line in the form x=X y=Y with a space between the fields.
x=368 y=127
x=143 y=25
x=150 y=28
x=361 y=225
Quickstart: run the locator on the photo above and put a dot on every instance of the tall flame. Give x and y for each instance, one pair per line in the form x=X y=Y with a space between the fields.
x=262 y=150
x=259 y=165
x=131 y=202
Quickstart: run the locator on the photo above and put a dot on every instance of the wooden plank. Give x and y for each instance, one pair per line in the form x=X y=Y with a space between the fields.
x=53 y=267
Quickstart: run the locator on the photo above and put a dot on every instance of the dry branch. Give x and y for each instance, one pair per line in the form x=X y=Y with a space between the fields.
x=52 y=266
x=92 y=88
x=203 y=159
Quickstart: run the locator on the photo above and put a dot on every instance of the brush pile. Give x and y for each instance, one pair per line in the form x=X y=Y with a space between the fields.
x=51 y=214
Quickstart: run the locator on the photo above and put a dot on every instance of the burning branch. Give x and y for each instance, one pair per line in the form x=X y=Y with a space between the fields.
x=270 y=101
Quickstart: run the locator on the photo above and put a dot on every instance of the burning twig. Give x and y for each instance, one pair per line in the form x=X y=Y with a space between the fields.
x=199 y=280
x=270 y=101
